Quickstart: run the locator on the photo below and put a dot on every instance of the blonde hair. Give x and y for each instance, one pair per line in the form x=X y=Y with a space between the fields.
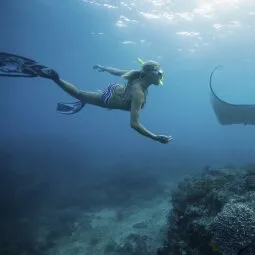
x=138 y=74
x=150 y=65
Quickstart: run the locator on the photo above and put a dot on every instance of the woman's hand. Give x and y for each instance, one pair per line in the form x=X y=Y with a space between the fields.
x=99 y=68
x=163 y=138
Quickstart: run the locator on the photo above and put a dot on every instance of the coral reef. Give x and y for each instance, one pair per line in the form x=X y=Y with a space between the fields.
x=213 y=213
x=234 y=227
x=46 y=213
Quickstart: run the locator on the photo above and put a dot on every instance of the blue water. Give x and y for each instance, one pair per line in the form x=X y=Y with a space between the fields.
x=188 y=40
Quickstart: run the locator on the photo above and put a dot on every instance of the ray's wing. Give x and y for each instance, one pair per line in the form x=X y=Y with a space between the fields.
x=227 y=113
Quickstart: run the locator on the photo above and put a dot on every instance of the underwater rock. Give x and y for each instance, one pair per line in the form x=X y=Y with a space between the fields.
x=140 y=225
x=213 y=213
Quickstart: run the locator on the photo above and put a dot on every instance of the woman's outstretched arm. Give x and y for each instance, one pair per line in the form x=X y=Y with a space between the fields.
x=111 y=70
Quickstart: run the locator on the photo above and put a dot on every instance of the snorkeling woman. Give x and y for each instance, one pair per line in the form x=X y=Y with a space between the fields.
x=130 y=97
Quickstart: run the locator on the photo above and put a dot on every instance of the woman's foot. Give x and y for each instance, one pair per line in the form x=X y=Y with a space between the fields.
x=42 y=71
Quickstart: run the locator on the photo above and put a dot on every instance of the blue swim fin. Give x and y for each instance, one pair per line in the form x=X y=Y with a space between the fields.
x=17 y=66
x=69 y=108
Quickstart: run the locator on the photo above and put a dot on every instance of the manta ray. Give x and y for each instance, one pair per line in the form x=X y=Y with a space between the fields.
x=227 y=113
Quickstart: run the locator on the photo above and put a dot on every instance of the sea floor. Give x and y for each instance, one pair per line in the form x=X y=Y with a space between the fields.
x=116 y=230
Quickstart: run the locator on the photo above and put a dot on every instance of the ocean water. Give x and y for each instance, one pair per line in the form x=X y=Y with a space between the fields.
x=55 y=168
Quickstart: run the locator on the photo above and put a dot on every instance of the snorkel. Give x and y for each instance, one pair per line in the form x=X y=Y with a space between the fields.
x=142 y=63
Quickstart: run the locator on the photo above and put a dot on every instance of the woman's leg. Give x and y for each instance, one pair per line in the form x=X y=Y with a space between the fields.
x=94 y=98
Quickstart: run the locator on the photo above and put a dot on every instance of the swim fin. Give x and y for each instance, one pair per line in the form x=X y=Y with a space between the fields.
x=69 y=108
x=17 y=66
x=227 y=113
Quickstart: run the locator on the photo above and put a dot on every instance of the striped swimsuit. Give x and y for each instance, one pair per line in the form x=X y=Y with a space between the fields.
x=124 y=95
x=108 y=92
